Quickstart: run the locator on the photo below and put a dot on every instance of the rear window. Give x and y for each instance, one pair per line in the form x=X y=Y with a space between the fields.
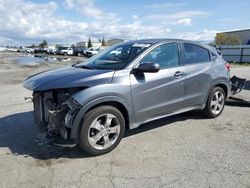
x=195 y=54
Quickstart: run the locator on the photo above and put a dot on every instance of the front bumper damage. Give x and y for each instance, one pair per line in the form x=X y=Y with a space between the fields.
x=54 y=112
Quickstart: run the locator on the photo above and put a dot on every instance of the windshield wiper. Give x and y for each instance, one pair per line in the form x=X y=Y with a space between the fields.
x=81 y=66
x=86 y=67
x=109 y=62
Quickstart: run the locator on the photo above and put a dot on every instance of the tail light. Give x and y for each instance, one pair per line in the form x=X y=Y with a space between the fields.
x=228 y=66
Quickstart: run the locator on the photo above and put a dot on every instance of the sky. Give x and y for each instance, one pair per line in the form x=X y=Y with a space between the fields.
x=24 y=22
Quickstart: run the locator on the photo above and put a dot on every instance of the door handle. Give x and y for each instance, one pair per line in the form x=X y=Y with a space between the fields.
x=178 y=74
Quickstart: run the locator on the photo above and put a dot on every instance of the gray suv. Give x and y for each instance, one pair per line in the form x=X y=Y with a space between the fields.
x=125 y=86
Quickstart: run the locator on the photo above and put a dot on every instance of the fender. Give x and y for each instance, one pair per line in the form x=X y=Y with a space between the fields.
x=78 y=119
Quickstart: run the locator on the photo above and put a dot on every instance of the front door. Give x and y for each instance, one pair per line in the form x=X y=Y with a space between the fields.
x=161 y=93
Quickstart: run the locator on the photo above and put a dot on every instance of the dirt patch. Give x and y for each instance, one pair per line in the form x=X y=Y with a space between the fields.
x=13 y=73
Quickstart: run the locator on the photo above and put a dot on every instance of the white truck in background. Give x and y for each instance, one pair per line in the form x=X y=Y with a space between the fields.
x=67 y=51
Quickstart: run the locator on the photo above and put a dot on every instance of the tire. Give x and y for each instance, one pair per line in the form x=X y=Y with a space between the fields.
x=215 y=103
x=102 y=130
x=65 y=53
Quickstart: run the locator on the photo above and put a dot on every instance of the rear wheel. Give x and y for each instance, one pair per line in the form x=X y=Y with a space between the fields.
x=215 y=103
x=102 y=130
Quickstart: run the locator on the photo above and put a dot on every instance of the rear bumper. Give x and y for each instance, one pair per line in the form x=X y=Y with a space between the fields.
x=237 y=84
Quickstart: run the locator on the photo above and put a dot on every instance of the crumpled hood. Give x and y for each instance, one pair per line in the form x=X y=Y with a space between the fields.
x=67 y=77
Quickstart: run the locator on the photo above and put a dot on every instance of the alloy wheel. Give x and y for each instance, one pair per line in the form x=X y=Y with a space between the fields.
x=217 y=102
x=104 y=131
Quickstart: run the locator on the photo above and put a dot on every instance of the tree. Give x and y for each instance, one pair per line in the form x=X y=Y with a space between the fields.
x=33 y=46
x=43 y=44
x=234 y=40
x=73 y=45
x=89 y=43
x=224 y=39
x=104 y=42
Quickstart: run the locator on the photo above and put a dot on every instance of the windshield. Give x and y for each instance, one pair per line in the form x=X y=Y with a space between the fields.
x=116 y=57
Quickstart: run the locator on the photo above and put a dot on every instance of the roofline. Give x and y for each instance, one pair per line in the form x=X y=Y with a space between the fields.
x=156 y=40
x=237 y=30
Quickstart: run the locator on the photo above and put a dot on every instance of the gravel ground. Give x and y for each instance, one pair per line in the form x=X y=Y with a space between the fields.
x=185 y=150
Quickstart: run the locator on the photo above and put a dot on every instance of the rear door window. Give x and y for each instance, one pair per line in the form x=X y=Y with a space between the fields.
x=195 y=54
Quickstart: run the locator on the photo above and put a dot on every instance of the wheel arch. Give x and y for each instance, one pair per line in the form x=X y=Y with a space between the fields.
x=224 y=84
x=224 y=87
x=114 y=101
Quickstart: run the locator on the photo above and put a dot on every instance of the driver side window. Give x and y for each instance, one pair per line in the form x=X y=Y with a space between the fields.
x=165 y=55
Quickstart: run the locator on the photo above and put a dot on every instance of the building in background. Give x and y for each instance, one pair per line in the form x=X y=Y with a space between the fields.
x=85 y=44
x=244 y=35
x=114 y=42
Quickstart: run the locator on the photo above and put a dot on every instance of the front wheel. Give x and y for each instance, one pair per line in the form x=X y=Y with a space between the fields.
x=215 y=103
x=102 y=130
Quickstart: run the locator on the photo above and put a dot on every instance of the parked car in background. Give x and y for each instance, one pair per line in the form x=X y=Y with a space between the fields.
x=85 y=51
x=79 y=51
x=51 y=51
x=12 y=49
x=66 y=51
x=39 y=50
x=29 y=50
x=95 y=101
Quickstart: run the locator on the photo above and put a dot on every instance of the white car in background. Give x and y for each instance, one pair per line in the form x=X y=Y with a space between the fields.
x=12 y=49
x=67 y=51
x=29 y=50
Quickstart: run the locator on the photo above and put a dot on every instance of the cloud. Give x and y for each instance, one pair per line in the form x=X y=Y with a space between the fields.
x=168 y=30
x=176 y=15
x=184 y=21
x=27 y=22
x=204 y=35
x=24 y=20
x=164 y=5
x=87 y=8
x=69 y=4
x=135 y=17
x=134 y=30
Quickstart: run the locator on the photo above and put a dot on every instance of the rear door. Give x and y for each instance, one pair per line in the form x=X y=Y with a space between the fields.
x=161 y=93
x=197 y=62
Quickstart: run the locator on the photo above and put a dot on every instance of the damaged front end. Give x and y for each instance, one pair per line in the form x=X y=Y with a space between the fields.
x=54 y=111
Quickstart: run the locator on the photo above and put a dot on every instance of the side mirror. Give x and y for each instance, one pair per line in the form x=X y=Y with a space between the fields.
x=149 y=67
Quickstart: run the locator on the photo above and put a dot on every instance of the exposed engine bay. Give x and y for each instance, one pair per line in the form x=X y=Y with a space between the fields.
x=54 y=111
